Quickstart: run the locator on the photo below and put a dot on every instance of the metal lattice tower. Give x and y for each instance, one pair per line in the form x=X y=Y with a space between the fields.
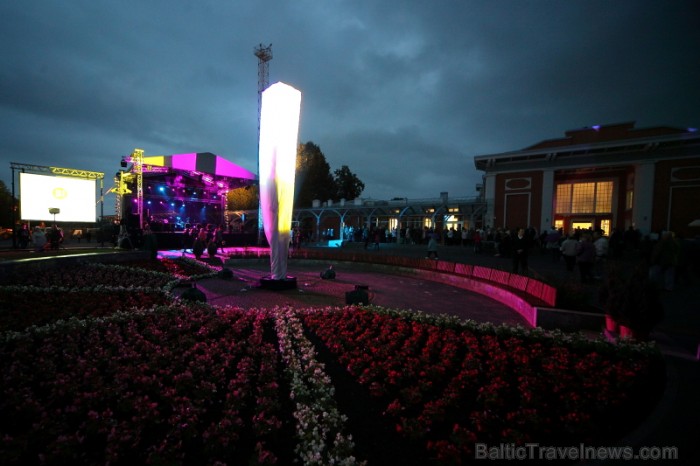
x=137 y=160
x=264 y=55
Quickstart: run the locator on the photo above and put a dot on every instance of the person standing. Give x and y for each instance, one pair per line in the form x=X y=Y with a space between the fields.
x=601 y=252
x=477 y=241
x=219 y=238
x=552 y=241
x=520 y=245
x=664 y=259
x=568 y=251
x=24 y=236
x=432 y=247
x=585 y=257
x=200 y=243
x=123 y=236
x=55 y=237
x=150 y=242
x=38 y=239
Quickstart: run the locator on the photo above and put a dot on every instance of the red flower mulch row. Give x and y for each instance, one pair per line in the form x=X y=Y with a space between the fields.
x=450 y=388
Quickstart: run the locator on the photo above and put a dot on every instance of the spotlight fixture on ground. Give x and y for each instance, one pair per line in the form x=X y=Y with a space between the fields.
x=356 y=297
x=328 y=274
x=194 y=294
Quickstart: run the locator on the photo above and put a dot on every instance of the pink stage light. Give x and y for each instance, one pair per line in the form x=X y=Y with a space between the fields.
x=201 y=162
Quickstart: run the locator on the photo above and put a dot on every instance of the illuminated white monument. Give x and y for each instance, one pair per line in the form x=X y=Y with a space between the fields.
x=279 y=128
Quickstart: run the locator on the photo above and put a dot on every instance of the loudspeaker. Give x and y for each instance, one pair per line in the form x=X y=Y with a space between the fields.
x=356 y=297
x=193 y=294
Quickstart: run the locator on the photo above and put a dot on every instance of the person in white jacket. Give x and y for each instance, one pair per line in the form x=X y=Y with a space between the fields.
x=39 y=239
x=568 y=252
x=601 y=252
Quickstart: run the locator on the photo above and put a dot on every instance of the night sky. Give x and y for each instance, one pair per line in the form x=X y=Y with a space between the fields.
x=405 y=93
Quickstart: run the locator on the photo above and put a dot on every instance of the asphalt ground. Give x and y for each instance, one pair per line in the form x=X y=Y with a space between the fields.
x=385 y=290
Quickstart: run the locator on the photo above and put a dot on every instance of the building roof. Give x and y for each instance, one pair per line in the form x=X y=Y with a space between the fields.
x=596 y=145
x=602 y=133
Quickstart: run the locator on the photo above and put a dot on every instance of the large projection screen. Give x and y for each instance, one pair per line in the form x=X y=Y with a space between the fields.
x=74 y=196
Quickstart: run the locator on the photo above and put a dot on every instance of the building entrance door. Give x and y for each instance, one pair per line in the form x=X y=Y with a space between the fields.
x=582 y=224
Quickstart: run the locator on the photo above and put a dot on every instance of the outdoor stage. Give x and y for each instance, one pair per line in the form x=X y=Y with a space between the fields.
x=179 y=240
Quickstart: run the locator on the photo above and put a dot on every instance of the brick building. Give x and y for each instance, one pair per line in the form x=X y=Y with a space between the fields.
x=612 y=176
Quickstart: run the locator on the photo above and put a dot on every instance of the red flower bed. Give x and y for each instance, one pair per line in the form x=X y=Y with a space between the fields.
x=177 y=385
x=21 y=307
x=451 y=387
x=87 y=275
x=198 y=384
x=37 y=295
x=178 y=267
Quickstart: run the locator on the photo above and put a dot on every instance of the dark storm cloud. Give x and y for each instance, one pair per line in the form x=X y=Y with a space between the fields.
x=403 y=163
x=404 y=93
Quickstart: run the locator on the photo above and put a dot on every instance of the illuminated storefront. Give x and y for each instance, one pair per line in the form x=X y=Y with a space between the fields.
x=606 y=177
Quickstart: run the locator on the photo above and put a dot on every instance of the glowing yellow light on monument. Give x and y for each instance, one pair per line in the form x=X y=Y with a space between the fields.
x=279 y=127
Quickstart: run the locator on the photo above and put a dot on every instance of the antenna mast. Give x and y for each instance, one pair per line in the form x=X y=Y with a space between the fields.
x=264 y=55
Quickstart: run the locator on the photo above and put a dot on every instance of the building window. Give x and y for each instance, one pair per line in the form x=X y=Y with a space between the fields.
x=584 y=198
x=629 y=199
x=603 y=197
x=563 y=199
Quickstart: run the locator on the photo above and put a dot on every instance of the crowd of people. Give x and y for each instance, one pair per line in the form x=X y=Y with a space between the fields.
x=585 y=252
x=199 y=238
x=589 y=252
x=40 y=237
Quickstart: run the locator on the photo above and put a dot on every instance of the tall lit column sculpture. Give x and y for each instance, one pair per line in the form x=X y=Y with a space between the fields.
x=279 y=128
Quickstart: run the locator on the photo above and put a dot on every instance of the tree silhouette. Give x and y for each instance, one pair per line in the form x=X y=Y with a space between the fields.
x=246 y=198
x=313 y=176
x=348 y=185
x=7 y=204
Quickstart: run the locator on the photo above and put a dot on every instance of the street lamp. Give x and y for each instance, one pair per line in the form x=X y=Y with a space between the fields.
x=54 y=211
